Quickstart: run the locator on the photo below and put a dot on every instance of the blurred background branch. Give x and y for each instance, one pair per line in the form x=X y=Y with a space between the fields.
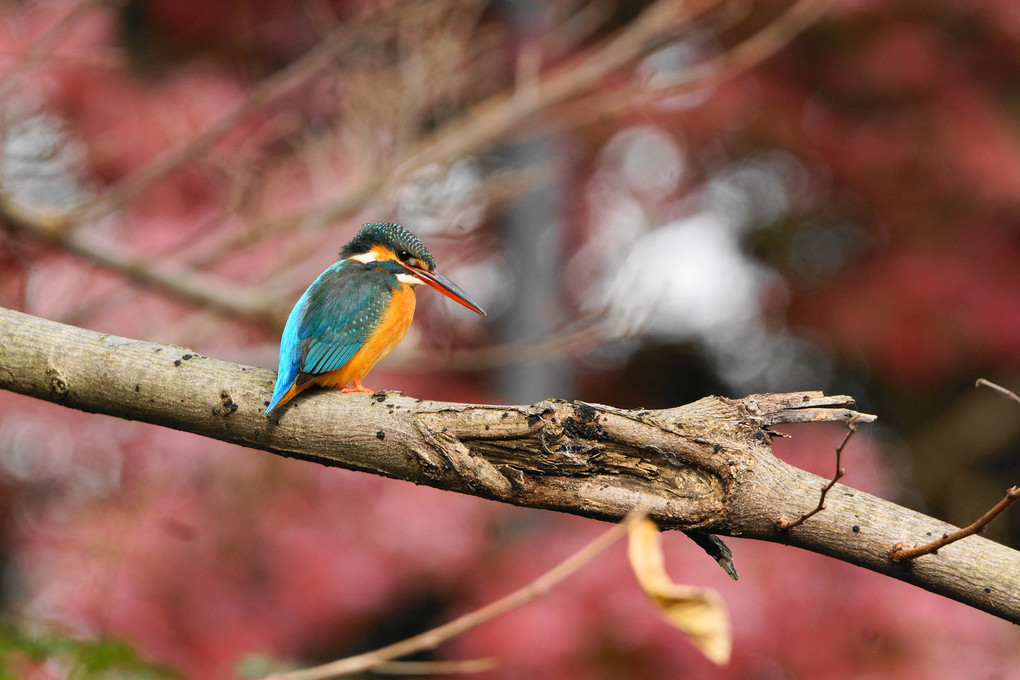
x=209 y=291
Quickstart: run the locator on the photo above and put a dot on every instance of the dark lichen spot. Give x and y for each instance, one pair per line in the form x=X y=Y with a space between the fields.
x=379 y=396
x=505 y=415
x=380 y=435
x=856 y=529
x=644 y=413
x=760 y=436
x=533 y=418
x=187 y=356
x=486 y=427
x=138 y=388
x=159 y=349
x=444 y=429
x=177 y=362
x=227 y=405
x=988 y=590
x=717 y=448
x=586 y=412
x=585 y=424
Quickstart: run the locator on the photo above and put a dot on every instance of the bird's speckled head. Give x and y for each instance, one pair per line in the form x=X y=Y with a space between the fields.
x=388 y=241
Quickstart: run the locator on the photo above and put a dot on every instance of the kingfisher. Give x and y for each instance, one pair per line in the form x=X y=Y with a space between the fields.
x=357 y=311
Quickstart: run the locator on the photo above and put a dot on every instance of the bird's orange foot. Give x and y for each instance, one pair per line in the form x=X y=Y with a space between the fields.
x=358 y=387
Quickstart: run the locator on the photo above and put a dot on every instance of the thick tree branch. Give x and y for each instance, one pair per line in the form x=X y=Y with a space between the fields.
x=707 y=465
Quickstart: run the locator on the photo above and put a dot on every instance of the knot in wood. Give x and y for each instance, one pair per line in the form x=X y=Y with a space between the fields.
x=57 y=384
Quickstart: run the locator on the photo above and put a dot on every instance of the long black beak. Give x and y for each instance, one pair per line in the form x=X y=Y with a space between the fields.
x=446 y=287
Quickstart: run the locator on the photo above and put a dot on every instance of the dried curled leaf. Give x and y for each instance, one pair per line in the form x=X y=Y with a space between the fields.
x=698 y=612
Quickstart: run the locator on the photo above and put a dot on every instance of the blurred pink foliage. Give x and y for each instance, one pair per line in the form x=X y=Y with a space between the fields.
x=913 y=115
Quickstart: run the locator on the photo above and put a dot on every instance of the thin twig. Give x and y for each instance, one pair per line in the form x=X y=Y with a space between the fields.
x=998 y=388
x=785 y=524
x=435 y=667
x=752 y=51
x=432 y=638
x=902 y=553
x=734 y=61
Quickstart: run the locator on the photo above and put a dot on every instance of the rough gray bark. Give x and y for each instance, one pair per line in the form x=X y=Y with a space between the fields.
x=707 y=465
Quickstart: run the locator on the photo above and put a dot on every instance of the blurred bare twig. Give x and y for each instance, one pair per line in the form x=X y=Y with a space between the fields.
x=1009 y=394
x=492 y=120
x=432 y=638
x=751 y=52
x=214 y=292
x=272 y=88
x=731 y=63
x=532 y=101
x=434 y=667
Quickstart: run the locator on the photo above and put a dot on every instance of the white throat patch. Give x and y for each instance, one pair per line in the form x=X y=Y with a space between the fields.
x=409 y=279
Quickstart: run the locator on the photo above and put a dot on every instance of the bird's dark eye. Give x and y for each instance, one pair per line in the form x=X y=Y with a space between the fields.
x=403 y=255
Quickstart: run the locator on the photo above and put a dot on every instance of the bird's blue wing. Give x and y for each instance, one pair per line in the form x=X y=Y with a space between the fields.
x=331 y=322
x=344 y=306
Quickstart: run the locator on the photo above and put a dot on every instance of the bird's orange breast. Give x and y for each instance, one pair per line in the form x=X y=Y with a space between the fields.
x=387 y=334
